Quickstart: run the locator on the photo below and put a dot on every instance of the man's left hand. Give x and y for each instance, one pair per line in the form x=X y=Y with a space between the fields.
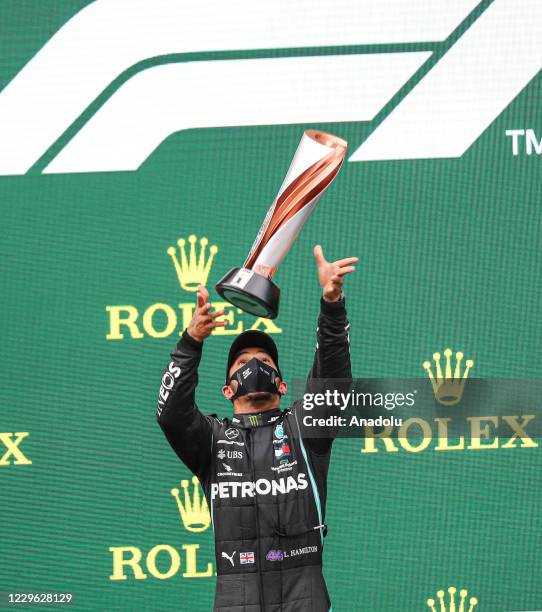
x=331 y=274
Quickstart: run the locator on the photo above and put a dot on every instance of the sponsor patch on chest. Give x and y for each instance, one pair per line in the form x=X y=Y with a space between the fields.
x=262 y=486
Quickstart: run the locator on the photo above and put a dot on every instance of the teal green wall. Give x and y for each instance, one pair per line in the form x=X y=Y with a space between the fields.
x=450 y=255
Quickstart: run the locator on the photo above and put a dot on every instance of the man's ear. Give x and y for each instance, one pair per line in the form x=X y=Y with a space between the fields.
x=282 y=388
x=228 y=392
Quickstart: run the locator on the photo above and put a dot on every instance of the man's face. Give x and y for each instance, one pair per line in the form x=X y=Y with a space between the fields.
x=244 y=356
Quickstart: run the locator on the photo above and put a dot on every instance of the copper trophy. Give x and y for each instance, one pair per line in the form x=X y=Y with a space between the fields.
x=315 y=164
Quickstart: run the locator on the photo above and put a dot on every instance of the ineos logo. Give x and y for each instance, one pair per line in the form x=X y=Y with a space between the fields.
x=168 y=381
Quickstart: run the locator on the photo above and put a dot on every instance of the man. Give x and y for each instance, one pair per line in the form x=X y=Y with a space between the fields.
x=263 y=475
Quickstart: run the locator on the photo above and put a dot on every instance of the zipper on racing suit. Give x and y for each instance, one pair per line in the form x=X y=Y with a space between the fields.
x=258 y=545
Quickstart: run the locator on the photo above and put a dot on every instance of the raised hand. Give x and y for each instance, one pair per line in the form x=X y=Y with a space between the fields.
x=203 y=321
x=331 y=274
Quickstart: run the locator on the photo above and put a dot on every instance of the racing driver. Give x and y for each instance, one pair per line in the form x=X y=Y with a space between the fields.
x=263 y=474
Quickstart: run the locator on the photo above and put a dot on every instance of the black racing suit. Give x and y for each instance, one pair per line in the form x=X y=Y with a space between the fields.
x=264 y=479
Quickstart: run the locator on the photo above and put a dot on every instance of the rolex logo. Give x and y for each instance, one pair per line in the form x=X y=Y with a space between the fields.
x=194 y=511
x=452 y=607
x=192 y=269
x=448 y=388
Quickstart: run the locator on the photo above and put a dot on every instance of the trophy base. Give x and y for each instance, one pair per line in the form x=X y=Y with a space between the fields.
x=250 y=291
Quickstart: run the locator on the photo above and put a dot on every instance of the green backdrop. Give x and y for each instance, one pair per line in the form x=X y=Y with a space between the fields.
x=450 y=255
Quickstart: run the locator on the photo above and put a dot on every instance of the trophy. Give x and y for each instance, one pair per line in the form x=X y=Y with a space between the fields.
x=316 y=163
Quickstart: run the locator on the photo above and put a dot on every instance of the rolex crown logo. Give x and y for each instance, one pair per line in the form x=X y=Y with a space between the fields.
x=192 y=269
x=452 y=606
x=448 y=388
x=194 y=511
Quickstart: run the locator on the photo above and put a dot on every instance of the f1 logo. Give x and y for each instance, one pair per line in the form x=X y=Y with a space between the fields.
x=473 y=59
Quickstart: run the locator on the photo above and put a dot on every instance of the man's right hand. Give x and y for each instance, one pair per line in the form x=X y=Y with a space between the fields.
x=203 y=322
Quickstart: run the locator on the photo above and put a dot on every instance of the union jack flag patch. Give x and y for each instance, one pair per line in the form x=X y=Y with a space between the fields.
x=246 y=557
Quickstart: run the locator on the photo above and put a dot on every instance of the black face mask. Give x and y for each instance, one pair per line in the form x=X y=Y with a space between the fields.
x=255 y=376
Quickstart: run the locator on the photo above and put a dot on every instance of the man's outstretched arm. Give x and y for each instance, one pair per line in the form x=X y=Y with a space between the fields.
x=187 y=430
x=332 y=353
